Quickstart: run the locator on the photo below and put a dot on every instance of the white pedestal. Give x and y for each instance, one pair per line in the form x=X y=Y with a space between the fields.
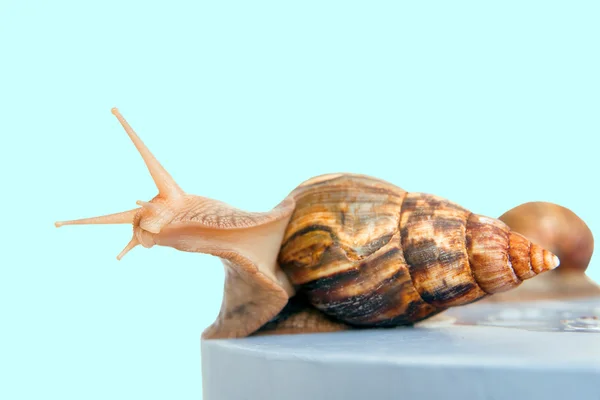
x=546 y=350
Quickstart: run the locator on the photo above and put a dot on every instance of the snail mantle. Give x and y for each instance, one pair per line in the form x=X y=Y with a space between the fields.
x=535 y=350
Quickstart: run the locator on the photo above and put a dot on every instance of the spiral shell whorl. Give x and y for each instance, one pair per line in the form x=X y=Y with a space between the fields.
x=500 y=258
x=369 y=253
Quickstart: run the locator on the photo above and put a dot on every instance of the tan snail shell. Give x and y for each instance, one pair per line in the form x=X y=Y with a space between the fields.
x=368 y=253
x=342 y=250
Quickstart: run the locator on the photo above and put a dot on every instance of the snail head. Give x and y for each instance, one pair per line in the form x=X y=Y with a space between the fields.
x=152 y=216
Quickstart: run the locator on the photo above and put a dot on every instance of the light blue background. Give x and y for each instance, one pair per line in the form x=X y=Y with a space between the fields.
x=489 y=104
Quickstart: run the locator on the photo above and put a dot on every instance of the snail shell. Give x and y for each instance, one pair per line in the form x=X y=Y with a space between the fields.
x=368 y=253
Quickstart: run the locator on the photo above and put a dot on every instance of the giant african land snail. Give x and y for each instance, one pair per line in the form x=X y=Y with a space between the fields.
x=342 y=250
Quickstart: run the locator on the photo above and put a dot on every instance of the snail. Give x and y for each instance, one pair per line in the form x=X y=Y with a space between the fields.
x=341 y=251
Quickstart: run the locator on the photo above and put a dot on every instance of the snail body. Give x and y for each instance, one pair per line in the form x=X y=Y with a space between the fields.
x=341 y=250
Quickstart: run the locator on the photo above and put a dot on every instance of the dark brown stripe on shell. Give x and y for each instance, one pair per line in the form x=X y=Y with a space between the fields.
x=376 y=301
x=433 y=241
x=354 y=309
x=329 y=286
x=310 y=228
x=447 y=292
x=319 y=256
